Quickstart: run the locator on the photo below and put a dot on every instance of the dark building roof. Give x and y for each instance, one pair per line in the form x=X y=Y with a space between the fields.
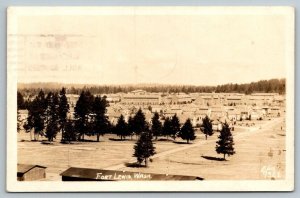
x=88 y=174
x=23 y=168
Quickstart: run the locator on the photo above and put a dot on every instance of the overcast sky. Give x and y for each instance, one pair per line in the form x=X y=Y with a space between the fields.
x=206 y=49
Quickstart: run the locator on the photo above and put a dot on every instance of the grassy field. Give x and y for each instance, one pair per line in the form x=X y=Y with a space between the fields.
x=260 y=154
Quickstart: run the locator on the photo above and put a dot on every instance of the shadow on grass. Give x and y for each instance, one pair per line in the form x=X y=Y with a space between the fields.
x=189 y=163
x=88 y=141
x=28 y=140
x=176 y=142
x=119 y=140
x=67 y=142
x=280 y=134
x=79 y=141
x=164 y=140
x=47 y=142
x=134 y=165
x=213 y=158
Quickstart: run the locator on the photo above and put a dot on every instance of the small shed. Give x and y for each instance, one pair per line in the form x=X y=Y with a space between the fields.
x=28 y=172
x=88 y=174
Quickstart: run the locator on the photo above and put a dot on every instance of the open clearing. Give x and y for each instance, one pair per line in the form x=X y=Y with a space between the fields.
x=260 y=154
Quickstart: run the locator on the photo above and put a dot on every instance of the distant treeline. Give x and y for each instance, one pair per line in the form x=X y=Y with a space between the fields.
x=265 y=86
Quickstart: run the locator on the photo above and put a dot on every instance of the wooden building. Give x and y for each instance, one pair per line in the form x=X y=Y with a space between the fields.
x=28 y=172
x=141 y=99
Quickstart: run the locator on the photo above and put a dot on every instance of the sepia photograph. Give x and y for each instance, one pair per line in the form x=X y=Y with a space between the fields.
x=150 y=99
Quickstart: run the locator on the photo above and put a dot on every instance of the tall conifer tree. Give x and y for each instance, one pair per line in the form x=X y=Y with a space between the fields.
x=167 y=128
x=156 y=128
x=187 y=131
x=36 y=115
x=121 y=128
x=175 y=126
x=83 y=110
x=225 y=142
x=139 y=122
x=101 y=123
x=206 y=127
x=144 y=148
x=63 y=110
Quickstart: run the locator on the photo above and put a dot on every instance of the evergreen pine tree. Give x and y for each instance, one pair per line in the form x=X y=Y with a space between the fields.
x=167 y=128
x=69 y=133
x=143 y=149
x=20 y=101
x=139 y=122
x=225 y=142
x=206 y=127
x=48 y=104
x=156 y=128
x=130 y=126
x=121 y=128
x=36 y=115
x=101 y=123
x=175 y=126
x=83 y=110
x=63 y=110
x=52 y=117
x=187 y=131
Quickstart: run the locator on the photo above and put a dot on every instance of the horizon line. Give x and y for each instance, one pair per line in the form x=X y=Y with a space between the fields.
x=145 y=84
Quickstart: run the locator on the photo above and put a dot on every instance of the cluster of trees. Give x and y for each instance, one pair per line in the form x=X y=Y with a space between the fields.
x=134 y=126
x=225 y=140
x=144 y=148
x=21 y=102
x=268 y=86
x=90 y=118
x=171 y=127
x=47 y=114
x=137 y=125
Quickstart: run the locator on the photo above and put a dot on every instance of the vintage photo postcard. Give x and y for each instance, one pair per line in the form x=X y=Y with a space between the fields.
x=115 y=99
